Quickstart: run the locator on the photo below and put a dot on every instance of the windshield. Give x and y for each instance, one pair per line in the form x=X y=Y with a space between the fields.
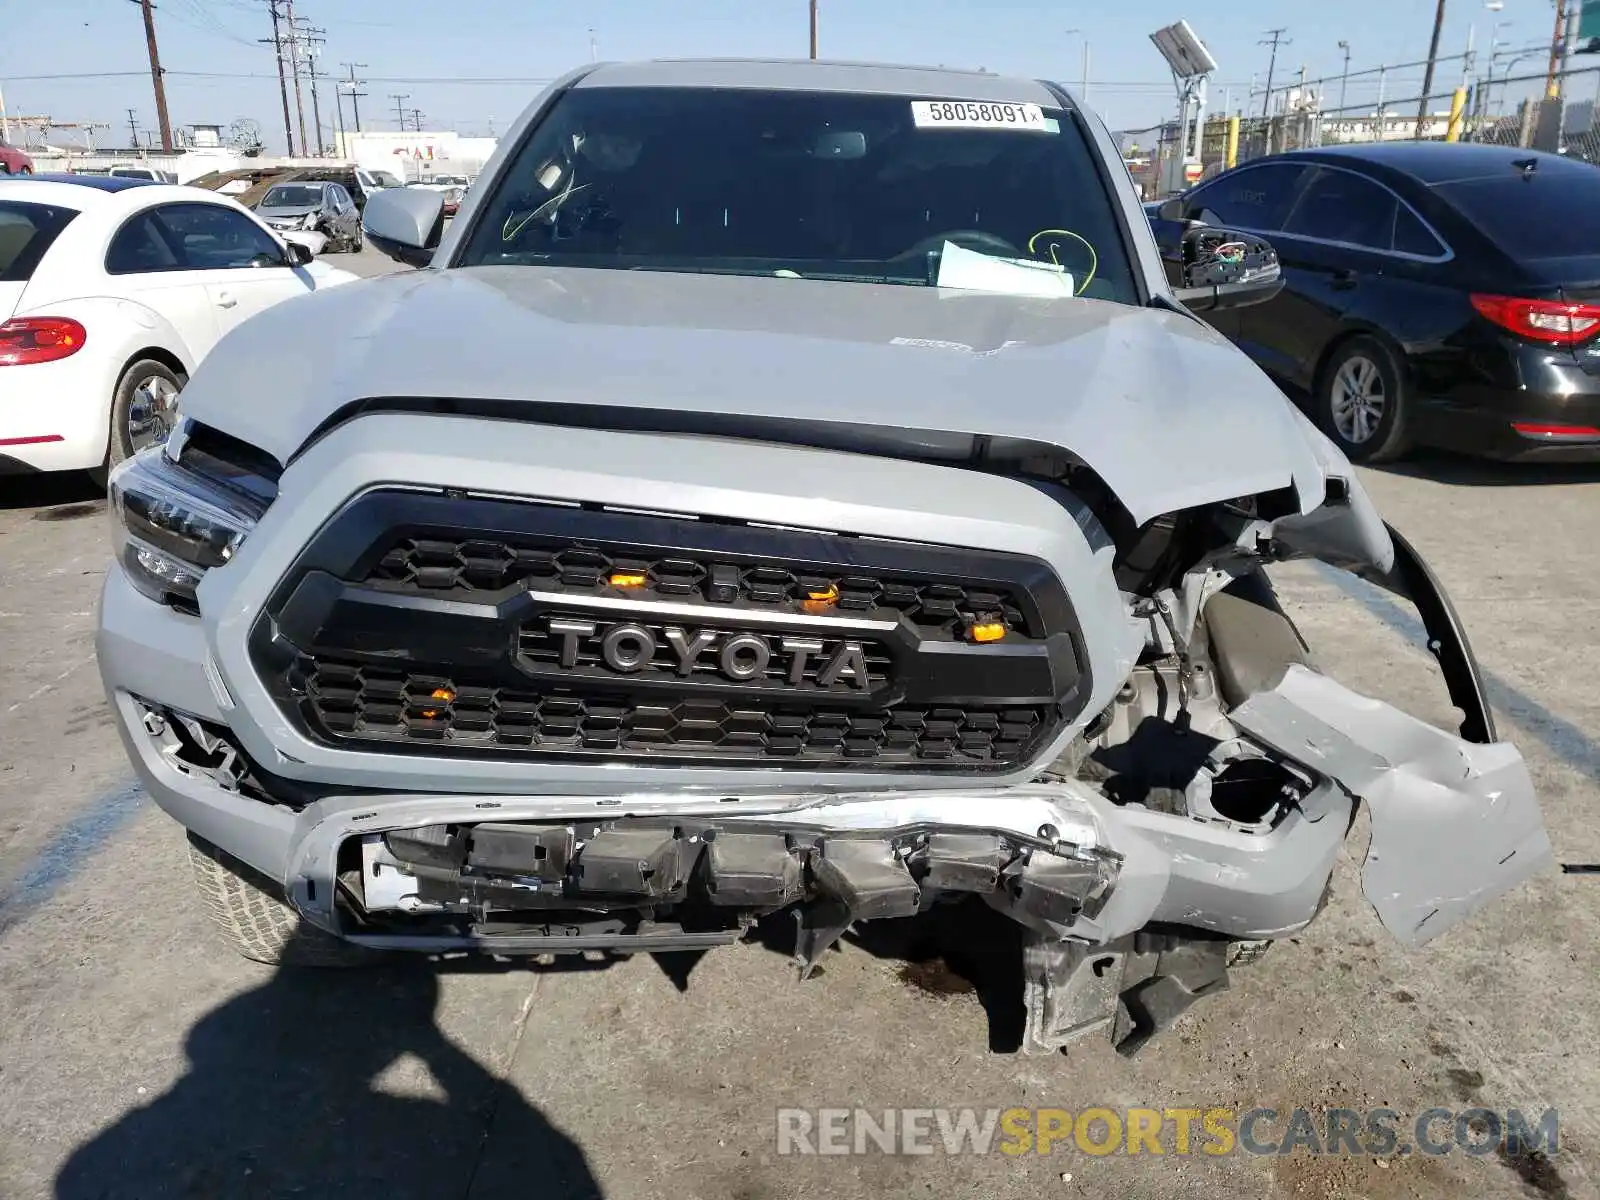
x=292 y=195
x=888 y=189
x=26 y=231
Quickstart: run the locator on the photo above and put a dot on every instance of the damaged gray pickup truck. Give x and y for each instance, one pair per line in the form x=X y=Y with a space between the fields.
x=788 y=487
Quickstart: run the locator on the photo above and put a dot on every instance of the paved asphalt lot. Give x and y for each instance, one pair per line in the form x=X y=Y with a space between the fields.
x=139 y=1058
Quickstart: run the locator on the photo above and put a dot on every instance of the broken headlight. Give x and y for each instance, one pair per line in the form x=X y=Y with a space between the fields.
x=172 y=521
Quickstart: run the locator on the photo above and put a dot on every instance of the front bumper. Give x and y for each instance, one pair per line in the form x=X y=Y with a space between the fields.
x=1153 y=867
x=1455 y=823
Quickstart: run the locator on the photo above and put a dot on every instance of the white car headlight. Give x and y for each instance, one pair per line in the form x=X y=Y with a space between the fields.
x=171 y=524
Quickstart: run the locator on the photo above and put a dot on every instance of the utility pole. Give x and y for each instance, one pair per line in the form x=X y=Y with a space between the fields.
x=294 y=69
x=155 y=74
x=813 y=29
x=416 y=119
x=1552 y=80
x=283 y=84
x=1427 y=74
x=1274 y=39
x=1344 y=79
x=399 y=111
x=355 y=96
x=314 y=37
x=133 y=128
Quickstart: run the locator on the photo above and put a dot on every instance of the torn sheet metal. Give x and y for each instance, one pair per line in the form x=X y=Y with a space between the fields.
x=1454 y=823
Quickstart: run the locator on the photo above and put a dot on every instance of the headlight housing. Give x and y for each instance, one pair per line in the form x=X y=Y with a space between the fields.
x=309 y=221
x=172 y=521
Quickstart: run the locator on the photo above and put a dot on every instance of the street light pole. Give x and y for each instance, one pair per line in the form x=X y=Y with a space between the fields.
x=1083 y=86
x=813 y=29
x=1344 y=79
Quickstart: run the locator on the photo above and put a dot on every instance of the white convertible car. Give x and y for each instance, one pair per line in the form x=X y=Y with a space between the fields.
x=111 y=292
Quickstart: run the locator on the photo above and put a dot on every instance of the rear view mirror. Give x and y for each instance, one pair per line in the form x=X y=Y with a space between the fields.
x=1225 y=268
x=405 y=223
x=840 y=143
x=299 y=253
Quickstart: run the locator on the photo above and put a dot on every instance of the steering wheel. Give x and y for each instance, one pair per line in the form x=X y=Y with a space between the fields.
x=968 y=239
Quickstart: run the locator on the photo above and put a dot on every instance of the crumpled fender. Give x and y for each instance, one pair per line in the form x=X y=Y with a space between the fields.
x=1347 y=532
x=1454 y=822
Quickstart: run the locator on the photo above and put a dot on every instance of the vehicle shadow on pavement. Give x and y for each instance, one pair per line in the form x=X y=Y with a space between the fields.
x=956 y=949
x=1441 y=467
x=324 y=1083
x=42 y=491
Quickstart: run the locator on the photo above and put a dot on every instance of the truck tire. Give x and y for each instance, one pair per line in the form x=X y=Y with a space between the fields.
x=253 y=917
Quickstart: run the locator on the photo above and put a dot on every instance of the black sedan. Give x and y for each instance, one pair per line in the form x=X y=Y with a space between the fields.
x=1437 y=294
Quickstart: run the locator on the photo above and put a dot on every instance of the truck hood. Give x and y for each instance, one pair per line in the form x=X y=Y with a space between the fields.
x=1166 y=411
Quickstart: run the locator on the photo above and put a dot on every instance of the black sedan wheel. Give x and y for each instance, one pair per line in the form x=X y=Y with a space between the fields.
x=1361 y=402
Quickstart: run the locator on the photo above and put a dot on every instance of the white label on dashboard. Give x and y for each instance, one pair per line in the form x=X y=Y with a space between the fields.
x=980 y=114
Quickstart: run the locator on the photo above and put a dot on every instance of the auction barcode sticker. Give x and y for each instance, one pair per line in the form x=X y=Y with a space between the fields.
x=976 y=114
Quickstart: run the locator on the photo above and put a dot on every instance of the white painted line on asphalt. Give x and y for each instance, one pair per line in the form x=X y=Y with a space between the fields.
x=52 y=685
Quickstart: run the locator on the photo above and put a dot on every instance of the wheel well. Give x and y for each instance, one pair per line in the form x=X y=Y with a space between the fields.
x=155 y=354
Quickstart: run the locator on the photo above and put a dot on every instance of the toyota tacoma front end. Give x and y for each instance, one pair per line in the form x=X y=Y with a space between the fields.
x=636 y=574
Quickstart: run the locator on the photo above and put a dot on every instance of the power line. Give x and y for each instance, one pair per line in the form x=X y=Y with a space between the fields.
x=200 y=18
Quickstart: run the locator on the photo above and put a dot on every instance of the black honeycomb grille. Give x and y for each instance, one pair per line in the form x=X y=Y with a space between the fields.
x=372 y=704
x=475 y=565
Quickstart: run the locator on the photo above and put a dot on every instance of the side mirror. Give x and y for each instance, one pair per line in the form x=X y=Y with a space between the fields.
x=405 y=223
x=299 y=253
x=1173 y=210
x=1224 y=268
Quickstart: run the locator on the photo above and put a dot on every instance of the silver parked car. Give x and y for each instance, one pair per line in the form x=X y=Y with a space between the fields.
x=311 y=205
x=792 y=487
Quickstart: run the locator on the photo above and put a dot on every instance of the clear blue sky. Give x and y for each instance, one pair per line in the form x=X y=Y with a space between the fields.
x=440 y=51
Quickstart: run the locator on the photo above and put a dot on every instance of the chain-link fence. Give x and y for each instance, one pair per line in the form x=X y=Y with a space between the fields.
x=1512 y=111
